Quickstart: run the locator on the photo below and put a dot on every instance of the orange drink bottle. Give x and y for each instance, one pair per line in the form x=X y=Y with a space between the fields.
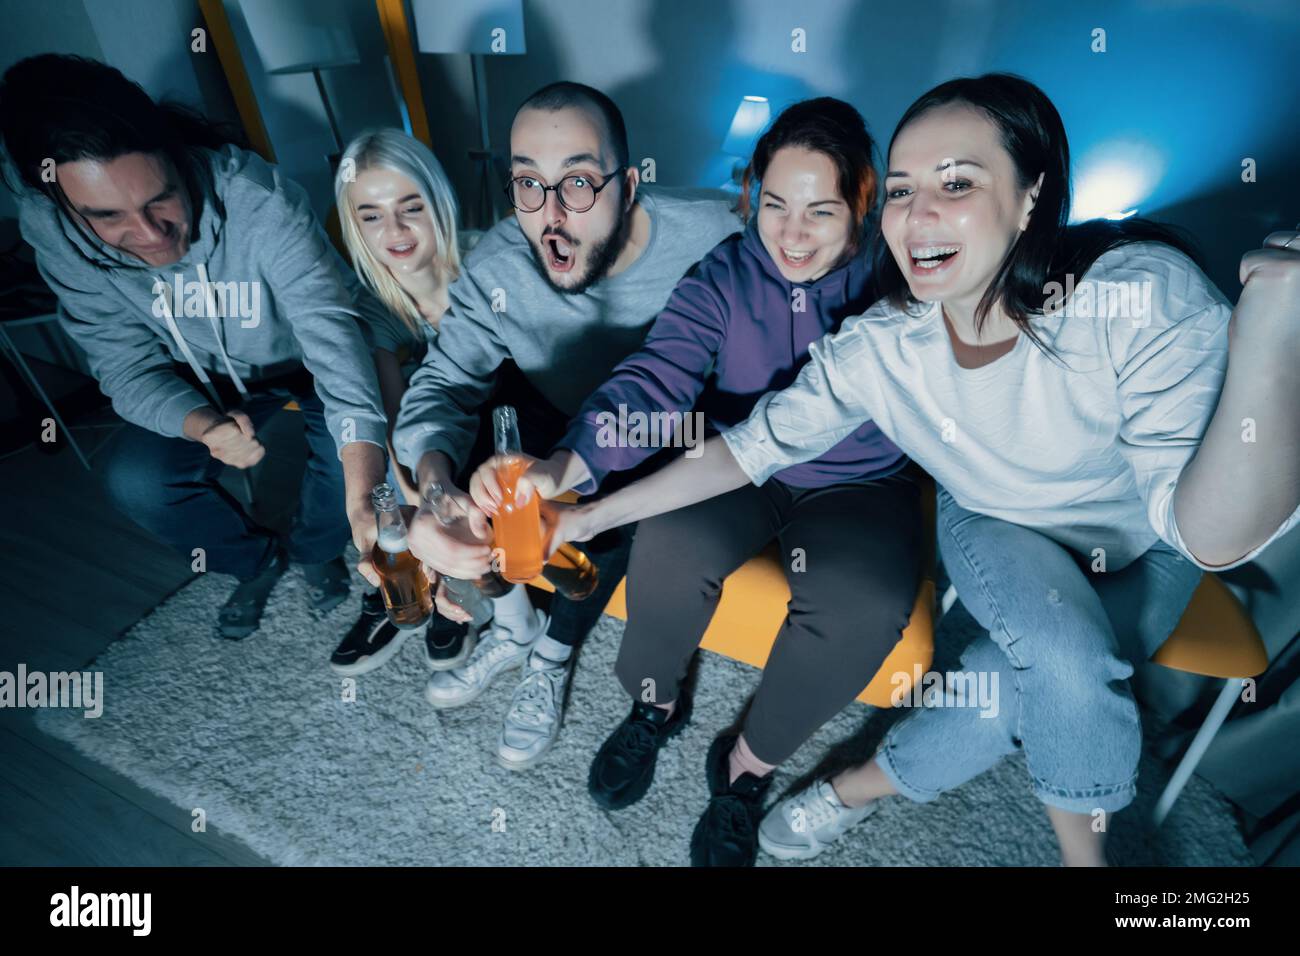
x=517 y=531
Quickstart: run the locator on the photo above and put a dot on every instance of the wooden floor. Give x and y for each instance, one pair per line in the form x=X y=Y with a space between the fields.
x=74 y=576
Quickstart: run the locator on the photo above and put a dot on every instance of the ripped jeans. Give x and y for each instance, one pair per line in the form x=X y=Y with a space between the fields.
x=1060 y=641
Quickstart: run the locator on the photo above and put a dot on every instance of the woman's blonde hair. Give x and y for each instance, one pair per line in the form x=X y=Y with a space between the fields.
x=395 y=150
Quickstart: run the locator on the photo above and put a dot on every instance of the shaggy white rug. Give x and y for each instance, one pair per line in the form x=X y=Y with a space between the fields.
x=258 y=735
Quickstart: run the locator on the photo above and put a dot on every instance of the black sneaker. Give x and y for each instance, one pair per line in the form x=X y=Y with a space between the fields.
x=448 y=643
x=242 y=612
x=727 y=834
x=328 y=583
x=371 y=642
x=624 y=766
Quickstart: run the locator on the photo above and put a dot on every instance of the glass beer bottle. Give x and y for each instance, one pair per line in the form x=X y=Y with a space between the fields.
x=469 y=595
x=571 y=572
x=407 y=597
x=517 y=530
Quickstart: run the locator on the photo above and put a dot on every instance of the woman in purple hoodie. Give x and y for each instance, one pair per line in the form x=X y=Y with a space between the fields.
x=848 y=524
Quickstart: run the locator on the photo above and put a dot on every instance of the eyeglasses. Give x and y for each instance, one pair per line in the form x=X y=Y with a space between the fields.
x=576 y=193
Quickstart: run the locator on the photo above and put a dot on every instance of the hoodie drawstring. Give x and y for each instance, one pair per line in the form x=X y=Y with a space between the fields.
x=210 y=302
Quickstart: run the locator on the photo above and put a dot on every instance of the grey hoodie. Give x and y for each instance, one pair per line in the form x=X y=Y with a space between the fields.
x=502 y=307
x=262 y=292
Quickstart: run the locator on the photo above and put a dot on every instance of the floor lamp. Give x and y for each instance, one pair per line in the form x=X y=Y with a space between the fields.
x=304 y=36
x=482 y=29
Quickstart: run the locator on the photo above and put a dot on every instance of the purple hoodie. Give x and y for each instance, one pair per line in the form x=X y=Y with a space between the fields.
x=728 y=335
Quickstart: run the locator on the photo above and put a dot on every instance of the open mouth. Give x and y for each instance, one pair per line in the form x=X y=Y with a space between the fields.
x=931 y=259
x=795 y=259
x=559 y=253
x=402 y=251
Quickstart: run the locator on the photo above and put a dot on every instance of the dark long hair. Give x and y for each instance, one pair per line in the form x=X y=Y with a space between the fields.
x=835 y=129
x=1048 y=249
x=67 y=108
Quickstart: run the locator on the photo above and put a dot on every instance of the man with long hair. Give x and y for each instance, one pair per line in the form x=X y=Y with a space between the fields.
x=205 y=295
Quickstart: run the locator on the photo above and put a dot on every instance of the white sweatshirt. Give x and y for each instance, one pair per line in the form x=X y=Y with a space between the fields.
x=1088 y=455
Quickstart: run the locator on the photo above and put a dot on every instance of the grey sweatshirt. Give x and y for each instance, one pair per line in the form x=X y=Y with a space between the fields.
x=261 y=291
x=566 y=345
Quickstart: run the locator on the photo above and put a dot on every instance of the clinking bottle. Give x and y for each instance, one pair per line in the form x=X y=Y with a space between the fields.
x=571 y=572
x=472 y=596
x=407 y=597
x=518 y=530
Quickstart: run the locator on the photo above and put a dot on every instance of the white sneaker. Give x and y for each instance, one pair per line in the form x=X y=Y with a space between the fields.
x=805 y=823
x=533 y=721
x=496 y=651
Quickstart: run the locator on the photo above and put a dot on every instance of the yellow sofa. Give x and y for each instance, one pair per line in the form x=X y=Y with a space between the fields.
x=753 y=605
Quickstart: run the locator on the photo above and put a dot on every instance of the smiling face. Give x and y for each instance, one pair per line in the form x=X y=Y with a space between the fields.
x=953 y=204
x=135 y=202
x=573 y=250
x=803 y=220
x=394 y=220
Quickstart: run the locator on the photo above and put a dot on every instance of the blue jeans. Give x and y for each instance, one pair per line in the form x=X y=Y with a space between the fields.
x=1061 y=638
x=169 y=486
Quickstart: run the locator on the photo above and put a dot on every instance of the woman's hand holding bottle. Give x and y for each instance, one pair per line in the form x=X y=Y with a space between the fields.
x=540 y=476
x=561 y=522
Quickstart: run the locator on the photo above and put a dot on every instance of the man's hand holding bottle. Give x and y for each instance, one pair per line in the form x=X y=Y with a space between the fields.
x=465 y=556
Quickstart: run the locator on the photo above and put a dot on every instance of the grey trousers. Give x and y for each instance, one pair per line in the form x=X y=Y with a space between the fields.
x=853 y=583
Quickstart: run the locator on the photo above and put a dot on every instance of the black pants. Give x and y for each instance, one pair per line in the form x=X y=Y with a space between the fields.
x=169 y=486
x=861 y=552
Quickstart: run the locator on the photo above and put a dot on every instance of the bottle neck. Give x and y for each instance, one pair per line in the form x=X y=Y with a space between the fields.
x=505 y=428
x=437 y=502
x=390 y=526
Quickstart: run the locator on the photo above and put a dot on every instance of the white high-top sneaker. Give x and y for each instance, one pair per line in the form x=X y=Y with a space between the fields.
x=533 y=721
x=496 y=651
x=807 y=822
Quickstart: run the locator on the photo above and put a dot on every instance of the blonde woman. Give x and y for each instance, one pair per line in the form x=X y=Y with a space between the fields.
x=397 y=214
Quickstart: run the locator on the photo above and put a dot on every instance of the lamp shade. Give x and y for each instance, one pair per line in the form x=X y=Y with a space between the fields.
x=493 y=27
x=750 y=120
x=296 y=36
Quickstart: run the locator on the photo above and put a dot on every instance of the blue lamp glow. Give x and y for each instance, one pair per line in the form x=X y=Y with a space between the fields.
x=1114 y=179
x=751 y=118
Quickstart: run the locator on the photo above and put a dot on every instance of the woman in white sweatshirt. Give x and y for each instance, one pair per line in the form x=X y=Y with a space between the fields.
x=1069 y=390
